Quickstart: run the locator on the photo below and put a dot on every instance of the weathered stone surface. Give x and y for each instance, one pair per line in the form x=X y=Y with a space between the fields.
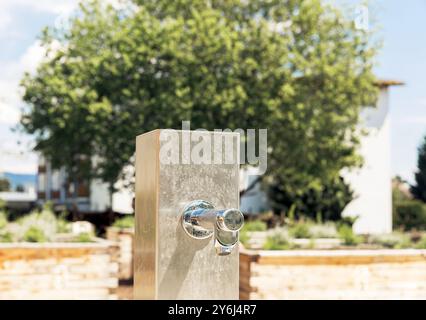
x=124 y=238
x=58 y=270
x=338 y=274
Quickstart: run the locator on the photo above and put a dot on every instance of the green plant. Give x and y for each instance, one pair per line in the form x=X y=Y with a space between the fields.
x=348 y=220
x=421 y=244
x=347 y=235
x=255 y=225
x=63 y=226
x=6 y=236
x=34 y=234
x=300 y=230
x=3 y=219
x=410 y=214
x=244 y=237
x=395 y=240
x=45 y=221
x=277 y=241
x=291 y=213
x=125 y=222
x=84 y=237
x=324 y=230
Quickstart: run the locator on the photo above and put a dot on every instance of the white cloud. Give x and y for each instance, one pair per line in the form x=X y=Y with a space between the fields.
x=9 y=114
x=32 y=57
x=10 y=100
x=17 y=161
x=421 y=120
x=51 y=6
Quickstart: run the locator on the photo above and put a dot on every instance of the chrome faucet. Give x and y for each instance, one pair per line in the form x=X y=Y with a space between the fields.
x=201 y=220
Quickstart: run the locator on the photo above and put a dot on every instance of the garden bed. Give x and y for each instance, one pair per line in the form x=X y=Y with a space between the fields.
x=124 y=239
x=333 y=274
x=59 y=270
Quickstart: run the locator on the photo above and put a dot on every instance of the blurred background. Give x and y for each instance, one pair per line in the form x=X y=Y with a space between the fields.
x=338 y=84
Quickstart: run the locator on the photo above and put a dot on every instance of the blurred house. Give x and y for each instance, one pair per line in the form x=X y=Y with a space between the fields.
x=82 y=196
x=19 y=201
x=372 y=184
x=22 y=196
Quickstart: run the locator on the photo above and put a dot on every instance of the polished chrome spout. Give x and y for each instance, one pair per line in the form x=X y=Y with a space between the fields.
x=201 y=220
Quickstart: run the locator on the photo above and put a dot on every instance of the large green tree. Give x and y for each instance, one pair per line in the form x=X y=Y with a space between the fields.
x=297 y=68
x=4 y=184
x=419 y=188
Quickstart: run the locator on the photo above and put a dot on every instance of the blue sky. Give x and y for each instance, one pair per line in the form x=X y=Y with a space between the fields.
x=403 y=57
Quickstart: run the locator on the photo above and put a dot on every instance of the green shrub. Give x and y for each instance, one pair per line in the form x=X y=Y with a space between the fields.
x=84 y=237
x=395 y=240
x=3 y=220
x=244 y=237
x=63 y=226
x=125 y=222
x=34 y=234
x=324 y=201
x=300 y=230
x=277 y=241
x=324 y=230
x=255 y=225
x=6 y=237
x=410 y=214
x=44 y=221
x=422 y=243
x=347 y=235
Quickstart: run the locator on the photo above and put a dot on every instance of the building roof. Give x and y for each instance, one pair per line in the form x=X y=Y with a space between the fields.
x=384 y=83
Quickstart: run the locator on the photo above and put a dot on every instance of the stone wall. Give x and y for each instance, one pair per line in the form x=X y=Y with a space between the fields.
x=333 y=274
x=124 y=239
x=58 y=270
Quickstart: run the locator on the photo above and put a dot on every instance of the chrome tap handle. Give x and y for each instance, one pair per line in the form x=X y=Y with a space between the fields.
x=201 y=220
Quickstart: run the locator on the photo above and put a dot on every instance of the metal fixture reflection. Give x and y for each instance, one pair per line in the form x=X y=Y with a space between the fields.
x=201 y=220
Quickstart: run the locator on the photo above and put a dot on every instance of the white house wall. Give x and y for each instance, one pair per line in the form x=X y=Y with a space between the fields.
x=254 y=201
x=372 y=183
x=100 y=200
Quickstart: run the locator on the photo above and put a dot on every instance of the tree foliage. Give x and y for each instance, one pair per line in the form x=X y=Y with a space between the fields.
x=419 y=188
x=298 y=68
x=324 y=204
x=4 y=184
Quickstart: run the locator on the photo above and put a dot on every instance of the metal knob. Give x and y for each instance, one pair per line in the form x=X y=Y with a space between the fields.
x=201 y=220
